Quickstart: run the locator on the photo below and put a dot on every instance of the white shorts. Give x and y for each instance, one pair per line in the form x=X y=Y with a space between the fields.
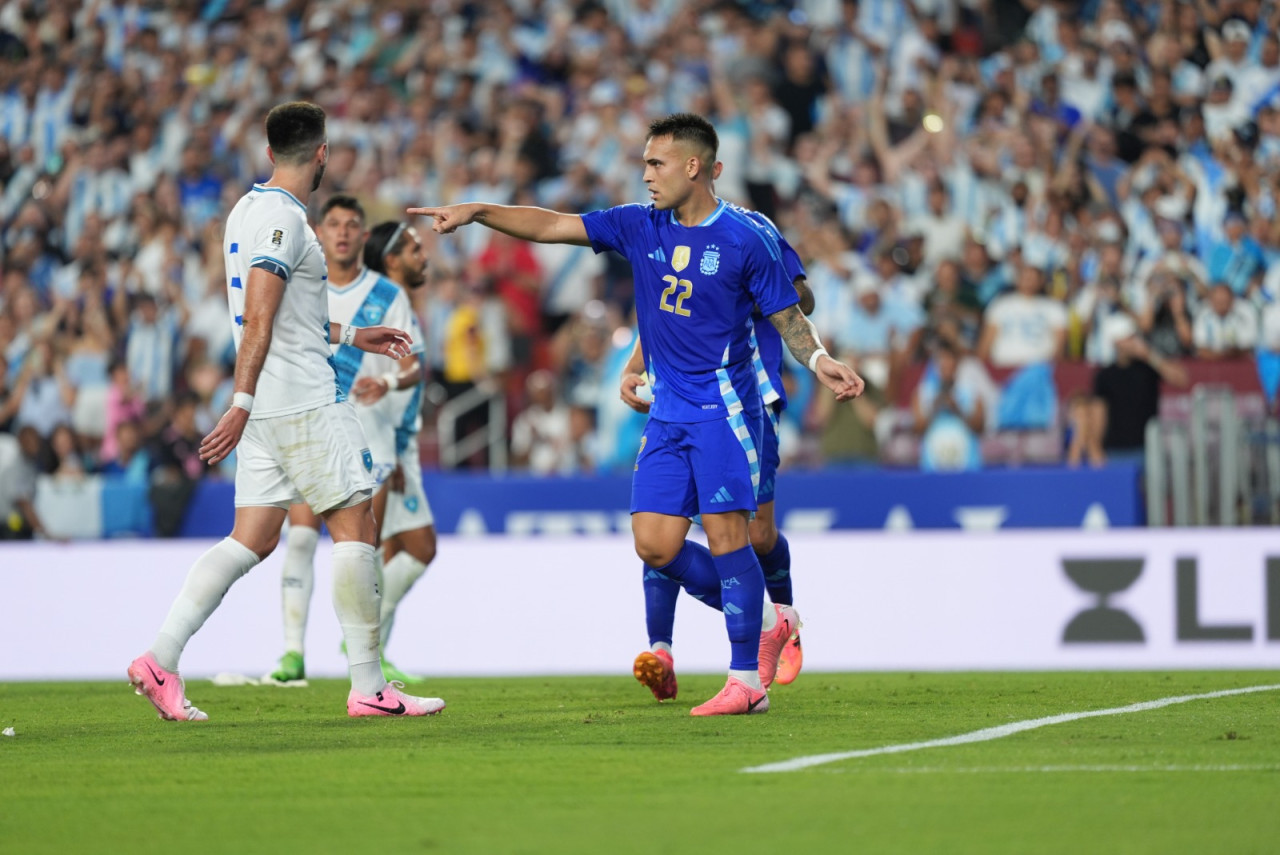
x=317 y=457
x=379 y=436
x=410 y=510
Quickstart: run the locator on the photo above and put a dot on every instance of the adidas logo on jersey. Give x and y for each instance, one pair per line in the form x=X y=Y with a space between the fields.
x=658 y=255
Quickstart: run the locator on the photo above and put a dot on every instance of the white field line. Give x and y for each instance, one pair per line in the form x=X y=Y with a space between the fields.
x=990 y=733
x=996 y=770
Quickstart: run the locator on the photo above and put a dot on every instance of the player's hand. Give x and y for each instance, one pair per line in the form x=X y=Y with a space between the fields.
x=225 y=436
x=630 y=384
x=385 y=340
x=839 y=378
x=395 y=481
x=449 y=218
x=369 y=390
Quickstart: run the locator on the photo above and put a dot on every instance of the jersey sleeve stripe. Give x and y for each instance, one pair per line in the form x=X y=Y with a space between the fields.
x=272 y=265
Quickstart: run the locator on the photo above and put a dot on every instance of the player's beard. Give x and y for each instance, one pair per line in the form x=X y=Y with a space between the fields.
x=416 y=279
x=319 y=176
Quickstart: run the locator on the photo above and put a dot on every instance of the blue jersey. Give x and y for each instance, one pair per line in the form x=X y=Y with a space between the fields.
x=695 y=289
x=768 y=339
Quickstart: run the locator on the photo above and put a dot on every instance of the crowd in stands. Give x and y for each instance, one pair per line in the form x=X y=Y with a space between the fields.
x=981 y=187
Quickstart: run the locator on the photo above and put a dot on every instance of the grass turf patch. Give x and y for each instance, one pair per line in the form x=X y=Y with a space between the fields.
x=595 y=765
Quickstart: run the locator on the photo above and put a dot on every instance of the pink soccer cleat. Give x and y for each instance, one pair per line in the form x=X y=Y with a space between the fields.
x=791 y=660
x=657 y=670
x=164 y=689
x=772 y=642
x=736 y=698
x=391 y=701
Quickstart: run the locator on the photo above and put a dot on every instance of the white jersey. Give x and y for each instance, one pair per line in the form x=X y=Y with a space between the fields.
x=406 y=404
x=268 y=229
x=372 y=300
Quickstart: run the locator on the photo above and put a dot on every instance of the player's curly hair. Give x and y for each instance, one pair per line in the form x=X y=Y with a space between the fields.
x=294 y=131
x=687 y=127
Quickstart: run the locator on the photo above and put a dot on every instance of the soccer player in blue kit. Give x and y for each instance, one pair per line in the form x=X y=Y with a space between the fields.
x=700 y=266
x=655 y=667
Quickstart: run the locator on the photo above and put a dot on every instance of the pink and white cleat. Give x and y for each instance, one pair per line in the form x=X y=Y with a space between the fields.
x=164 y=689
x=657 y=670
x=391 y=701
x=772 y=642
x=736 y=698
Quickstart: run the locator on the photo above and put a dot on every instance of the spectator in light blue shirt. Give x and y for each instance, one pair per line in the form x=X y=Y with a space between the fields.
x=1237 y=259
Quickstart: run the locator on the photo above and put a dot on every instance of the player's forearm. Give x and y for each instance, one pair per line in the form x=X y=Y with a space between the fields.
x=251 y=356
x=635 y=362
x=407 y=374
x=536 y=224
x=798 y=332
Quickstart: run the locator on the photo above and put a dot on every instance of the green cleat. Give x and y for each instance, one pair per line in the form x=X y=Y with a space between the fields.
x=392 y=673
x=290 y=670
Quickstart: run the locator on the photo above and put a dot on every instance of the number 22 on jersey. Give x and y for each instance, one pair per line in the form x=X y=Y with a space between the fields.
x=686 y=288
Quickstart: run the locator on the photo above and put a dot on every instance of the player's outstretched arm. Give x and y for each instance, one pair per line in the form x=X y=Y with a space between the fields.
x=633 y=377
x=536 y=224
x=387 y=341
x=262 y=295
x=802 y=340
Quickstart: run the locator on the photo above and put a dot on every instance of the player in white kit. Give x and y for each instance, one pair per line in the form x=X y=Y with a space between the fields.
x=356 y=295
x=301 y=442
x=395 y=250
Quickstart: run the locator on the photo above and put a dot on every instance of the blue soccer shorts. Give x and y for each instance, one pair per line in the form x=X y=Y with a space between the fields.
x=770 y=456
x=689 y=468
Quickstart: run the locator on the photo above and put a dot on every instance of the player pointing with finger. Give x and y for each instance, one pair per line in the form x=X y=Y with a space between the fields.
x=700 y=266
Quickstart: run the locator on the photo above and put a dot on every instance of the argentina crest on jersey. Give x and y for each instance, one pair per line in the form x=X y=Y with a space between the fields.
x=710 y=262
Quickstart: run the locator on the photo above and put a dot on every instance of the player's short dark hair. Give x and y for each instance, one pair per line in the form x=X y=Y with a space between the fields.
x=687 y=127
x=384 y=239
x=345 y=202
x=295 y=130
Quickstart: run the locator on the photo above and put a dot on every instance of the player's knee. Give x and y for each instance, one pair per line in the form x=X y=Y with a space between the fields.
x=656 y=554
x=264 y=545
x=764 y=536
x=423 y=548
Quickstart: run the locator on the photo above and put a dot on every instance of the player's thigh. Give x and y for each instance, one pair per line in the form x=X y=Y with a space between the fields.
x=324 y=453
x=726 y=532
x=658 y=537
x=302 y=515
x=663 y=479
x=725 y=458
x=258 y=528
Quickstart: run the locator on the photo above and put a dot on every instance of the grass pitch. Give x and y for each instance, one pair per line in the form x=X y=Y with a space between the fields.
x=594 y=765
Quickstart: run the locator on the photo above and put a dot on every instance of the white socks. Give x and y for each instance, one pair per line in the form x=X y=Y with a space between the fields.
x=751 y=678
x=660 y=645
x=297 y=580
x=356 y=599
x=398 y=576
x=770 y=617
x=207 y=583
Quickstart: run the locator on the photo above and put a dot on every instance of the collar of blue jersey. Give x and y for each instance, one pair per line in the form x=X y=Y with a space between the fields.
x=342 y=289
x=262 y=188
x=711 y=218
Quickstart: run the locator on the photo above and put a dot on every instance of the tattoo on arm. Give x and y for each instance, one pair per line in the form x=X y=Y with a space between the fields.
x=797 y=331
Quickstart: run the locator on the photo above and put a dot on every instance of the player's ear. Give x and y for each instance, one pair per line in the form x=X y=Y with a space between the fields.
x=271 y=156
x=716 y=170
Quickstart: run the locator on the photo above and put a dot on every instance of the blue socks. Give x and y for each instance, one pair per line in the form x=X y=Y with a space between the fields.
x=742 y=591
x=777 y=571
x=693 y=569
